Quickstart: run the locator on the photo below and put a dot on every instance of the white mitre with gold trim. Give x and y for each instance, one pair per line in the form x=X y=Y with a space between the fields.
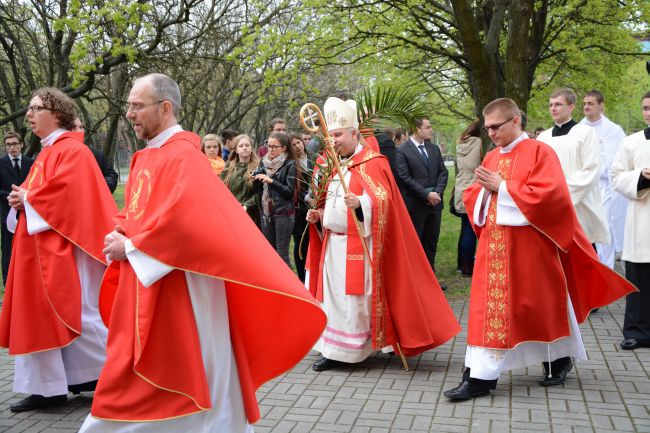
x=340 y=114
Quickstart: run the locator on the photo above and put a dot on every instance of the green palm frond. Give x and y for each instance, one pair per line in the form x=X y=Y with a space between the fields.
x=388 y=106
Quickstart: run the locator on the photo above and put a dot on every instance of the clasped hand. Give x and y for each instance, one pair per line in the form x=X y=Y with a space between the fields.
x=489 y=180
x=114 y=244
x=16 y=197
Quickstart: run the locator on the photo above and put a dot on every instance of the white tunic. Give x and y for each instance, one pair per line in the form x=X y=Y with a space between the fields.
x=347 y=337
x=609 y=136
x=579 y=154
x=48 y=373
x=633 y=156
x=487 y=364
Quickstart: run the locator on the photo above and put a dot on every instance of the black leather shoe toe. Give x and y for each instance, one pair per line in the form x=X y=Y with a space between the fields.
x=630 y=344
x=35 y=401
x=557 y=378
x=325 y=364
x=466 y=390
x=83 y=387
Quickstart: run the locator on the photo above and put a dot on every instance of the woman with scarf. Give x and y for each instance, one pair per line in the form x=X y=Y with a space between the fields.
x=211 y=145
x=275 y=181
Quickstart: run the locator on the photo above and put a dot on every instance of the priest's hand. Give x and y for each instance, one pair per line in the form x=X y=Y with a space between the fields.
x=114 y=246
x=351 y=200
x=489 y=180
x=314 y=215
x=646 y=173
x=16 y=197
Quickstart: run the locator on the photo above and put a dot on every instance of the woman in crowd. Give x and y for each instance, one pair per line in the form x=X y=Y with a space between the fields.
x=237 y=175
x=275 y=182
x=211 y=145
x=469 y=154
x=305 y=169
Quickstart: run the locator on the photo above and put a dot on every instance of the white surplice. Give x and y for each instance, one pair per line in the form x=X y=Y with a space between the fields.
x=347 y=337
x=610 y=136
x=487 y=364
x=579 y=154
x=49 y=372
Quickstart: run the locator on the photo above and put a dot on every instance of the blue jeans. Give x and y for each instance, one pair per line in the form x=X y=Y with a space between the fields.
x=467 y=240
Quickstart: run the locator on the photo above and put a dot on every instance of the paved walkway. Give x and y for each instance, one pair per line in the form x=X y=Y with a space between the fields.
x=608 y=393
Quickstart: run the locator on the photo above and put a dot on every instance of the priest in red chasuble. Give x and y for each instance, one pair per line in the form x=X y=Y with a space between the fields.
x=198 y=318
x=371 y=275
x=50 y=319
x=536 y=275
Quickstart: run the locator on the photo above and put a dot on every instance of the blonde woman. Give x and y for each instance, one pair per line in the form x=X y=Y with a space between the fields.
x=242 y=162
x=211 y=145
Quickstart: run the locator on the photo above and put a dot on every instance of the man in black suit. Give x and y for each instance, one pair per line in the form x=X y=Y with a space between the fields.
x=14 y=168
x=109 y=173
x=422 y=177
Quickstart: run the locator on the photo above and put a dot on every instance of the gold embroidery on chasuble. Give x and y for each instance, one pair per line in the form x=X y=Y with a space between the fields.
x=138 y=196
x=381 y=196
x=36 y=175
x=497 y=309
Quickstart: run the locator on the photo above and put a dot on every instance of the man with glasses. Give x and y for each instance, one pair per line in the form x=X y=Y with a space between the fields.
x=536 y=276
x=578 y=149
x=50 y=319
x=422 y=177
x=194 y=329
x=14 y=167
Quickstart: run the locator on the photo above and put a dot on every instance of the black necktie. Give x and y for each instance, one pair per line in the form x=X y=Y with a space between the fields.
x=16 y=166
x=646 y=132
x=564 y=129
x=424 y=154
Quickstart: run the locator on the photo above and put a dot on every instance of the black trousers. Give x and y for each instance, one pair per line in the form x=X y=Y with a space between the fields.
x=7 y=238
x=427 y=226
x=637 y=304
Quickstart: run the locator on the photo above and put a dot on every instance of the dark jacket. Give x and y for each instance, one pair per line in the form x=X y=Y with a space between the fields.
x=416 y=175
x=9 y=176
x=282 y=189
x=109 y=173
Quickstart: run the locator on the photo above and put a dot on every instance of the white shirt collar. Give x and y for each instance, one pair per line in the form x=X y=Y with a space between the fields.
x=417 y=144
x=50 y=139
x=161 y=138
x=20 y=157
x=564 y=123
x=509 y=148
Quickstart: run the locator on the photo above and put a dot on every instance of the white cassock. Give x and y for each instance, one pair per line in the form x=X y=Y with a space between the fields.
x=208 y=296
x=579 y=154
x=347 y=337
x=48 y=373
x=610 y=136
x=487 y=364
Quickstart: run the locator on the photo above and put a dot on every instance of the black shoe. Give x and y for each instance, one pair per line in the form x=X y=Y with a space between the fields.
x=466 y=390
x=630 y=344
x=35 y=401
x=325 y=364
x=558 y=377
x=82 y=387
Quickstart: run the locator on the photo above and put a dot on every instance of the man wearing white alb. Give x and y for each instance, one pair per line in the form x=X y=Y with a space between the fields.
x=578 y=149
x=525 y=299
x=609 y=136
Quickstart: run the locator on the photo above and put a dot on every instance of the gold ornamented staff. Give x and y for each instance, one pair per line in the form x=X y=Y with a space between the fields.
x=312 y=120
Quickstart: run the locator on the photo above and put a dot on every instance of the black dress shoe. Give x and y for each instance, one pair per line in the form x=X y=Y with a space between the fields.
x=630 y=344
x=82 y=387
x=557 y=377
x=35 y=401
x=466 y=390
x=325 y=364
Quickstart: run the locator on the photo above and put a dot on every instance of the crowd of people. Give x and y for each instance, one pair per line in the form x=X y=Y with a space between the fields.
x=174 y=325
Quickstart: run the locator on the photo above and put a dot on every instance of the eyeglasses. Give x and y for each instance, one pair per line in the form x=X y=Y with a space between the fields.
x=135 y=108
x=273 y=147
x=37 y=108
x=12 y=144
x=496 y=127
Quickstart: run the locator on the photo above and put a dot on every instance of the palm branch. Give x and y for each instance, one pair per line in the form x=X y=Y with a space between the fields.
x=388 y=106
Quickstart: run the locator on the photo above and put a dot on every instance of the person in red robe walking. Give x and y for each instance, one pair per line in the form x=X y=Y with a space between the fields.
x=373 y=280
x=50 y=318
x=194 y=329
x=536 y=275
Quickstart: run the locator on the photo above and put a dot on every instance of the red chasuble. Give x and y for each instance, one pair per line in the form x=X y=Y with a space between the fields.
x=178 y=212
x=42 y=304
x=523 y=276
x=408 y=306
